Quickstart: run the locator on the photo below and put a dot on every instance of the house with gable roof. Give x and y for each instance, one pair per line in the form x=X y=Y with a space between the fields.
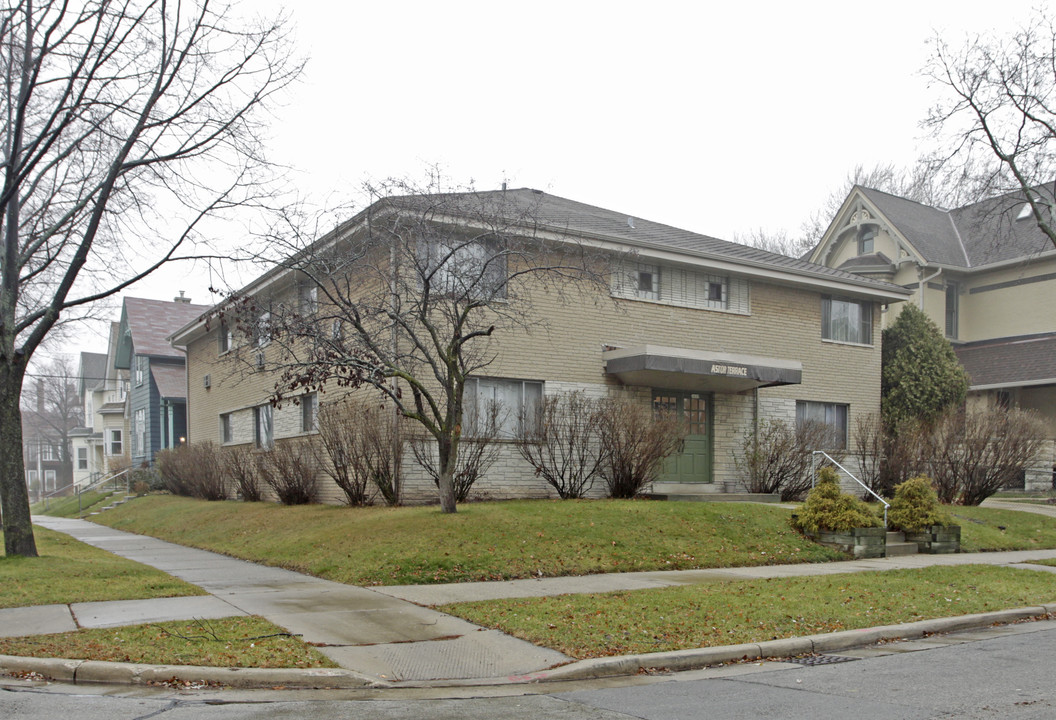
x=985 y=273
x=726 y=335
x=157 y=398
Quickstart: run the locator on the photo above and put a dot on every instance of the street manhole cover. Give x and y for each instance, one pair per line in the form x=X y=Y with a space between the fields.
x=812 y=660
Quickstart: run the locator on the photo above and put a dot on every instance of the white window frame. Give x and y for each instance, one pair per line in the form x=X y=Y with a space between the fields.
x=264 y=427
x=47 y=452
x=140 y=370
x=835 y=416
x=845 y=320
x=524 y=397
x=49 y=480
x=114 y=438
x=263 y=330
x=82 y=458
x=139 y=424
x=952 y=315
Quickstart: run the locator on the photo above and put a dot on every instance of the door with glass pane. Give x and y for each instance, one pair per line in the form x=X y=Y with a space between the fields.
x=693 y=463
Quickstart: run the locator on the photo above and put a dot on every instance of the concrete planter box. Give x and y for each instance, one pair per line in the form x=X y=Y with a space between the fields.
x=936 y=539
x=862 y=542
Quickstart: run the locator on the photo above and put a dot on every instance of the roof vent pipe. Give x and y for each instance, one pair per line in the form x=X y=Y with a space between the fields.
x=182 y=299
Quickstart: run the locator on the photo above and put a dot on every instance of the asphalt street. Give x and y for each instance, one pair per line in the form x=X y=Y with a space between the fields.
x=1003 y=672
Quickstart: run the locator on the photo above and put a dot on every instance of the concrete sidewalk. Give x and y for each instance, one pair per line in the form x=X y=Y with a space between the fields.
x=385 y=635
x=361 y=630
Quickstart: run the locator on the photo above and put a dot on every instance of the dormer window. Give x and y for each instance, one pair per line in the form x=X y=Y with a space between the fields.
x=866 y=236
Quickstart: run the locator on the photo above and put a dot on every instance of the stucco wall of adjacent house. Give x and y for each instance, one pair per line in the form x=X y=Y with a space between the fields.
x=1010 y=301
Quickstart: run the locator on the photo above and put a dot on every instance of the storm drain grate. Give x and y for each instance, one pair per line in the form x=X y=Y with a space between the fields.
x=812 y=660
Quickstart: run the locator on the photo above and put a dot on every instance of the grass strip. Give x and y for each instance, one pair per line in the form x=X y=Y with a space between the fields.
x=227 y=642
x=70 y=506
x=483 y=541
x=70 y=571
x=728 y=613
x=993 y=529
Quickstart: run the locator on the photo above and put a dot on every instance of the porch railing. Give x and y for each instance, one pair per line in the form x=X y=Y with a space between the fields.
x=814 y=474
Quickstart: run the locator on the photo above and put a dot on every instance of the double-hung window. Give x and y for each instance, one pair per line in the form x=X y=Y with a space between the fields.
x=82 y=458
x=114 y=445
x=139 y=421
x=307 y=298
x=501 y=407
x=830 y=416
x=846 y=320
x=225 y=339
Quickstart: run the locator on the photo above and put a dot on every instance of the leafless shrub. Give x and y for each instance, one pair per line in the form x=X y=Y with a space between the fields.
x=869 y=451
x=561 y=442
x=289 y=470
x=476 y=453
x=363 y=444
x=193 y=471
x=975 y=454
x=240 y=466
x=777 y=458
x=635 y=441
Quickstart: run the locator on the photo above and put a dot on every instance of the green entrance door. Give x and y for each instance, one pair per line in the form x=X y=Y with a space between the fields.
x=693 y=464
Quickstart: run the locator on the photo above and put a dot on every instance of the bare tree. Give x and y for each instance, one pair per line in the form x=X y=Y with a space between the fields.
x=997 y=121
x=562 y=442
x=408 y=297
x=126 y=126
x=363 y=443
x=53 y=409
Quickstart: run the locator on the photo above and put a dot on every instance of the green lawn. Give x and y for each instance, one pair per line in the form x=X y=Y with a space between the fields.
x=517 y=539
x=68 y=506
x=483 y=541
x=730 y=613
x=70 y=571
x=227 y=642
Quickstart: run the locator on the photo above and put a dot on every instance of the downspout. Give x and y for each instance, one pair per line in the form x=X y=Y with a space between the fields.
x=922 y=284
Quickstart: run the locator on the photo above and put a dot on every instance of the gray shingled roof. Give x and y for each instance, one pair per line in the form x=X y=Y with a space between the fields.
x=152 y=321
x=564 y=215
x=92 y=372
x=972 y=236
x=171 y=381
x=1010 y=360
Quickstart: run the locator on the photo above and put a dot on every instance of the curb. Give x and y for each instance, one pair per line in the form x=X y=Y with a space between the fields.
x=112 y=673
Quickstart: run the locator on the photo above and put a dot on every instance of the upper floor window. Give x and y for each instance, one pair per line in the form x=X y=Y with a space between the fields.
x=681 y=286
x=263 y=329
x=952 y=297
x=224 y=339
x=472 y=268
x=846 y=320
x=114 y=444
x=866 y=241
x=307 y=298
x=141 y=369
x=139 y=428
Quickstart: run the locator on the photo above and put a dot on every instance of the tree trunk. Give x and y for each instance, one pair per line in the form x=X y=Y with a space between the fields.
x=14 y=496
x=447 y=475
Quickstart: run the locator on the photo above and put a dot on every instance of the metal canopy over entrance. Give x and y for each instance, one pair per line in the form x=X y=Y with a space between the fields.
x=684 y=369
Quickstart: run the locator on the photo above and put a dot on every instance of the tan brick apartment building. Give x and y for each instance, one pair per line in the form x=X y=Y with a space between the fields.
x=731 y=334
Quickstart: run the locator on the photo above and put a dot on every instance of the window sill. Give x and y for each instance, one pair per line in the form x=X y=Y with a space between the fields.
x=668 y=303
x=847 y=343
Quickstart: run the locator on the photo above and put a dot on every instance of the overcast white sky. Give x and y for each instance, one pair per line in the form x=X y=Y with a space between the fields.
x=714 y=117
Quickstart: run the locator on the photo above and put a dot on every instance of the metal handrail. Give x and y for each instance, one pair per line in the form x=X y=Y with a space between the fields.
x=814 y=471
x=99 y=483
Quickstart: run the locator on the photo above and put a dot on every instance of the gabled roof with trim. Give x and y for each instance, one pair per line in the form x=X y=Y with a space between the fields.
x=970 y=237
x=146 y=325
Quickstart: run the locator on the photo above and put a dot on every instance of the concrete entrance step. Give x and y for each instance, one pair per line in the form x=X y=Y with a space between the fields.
x=897 y=545
x=715 y=497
